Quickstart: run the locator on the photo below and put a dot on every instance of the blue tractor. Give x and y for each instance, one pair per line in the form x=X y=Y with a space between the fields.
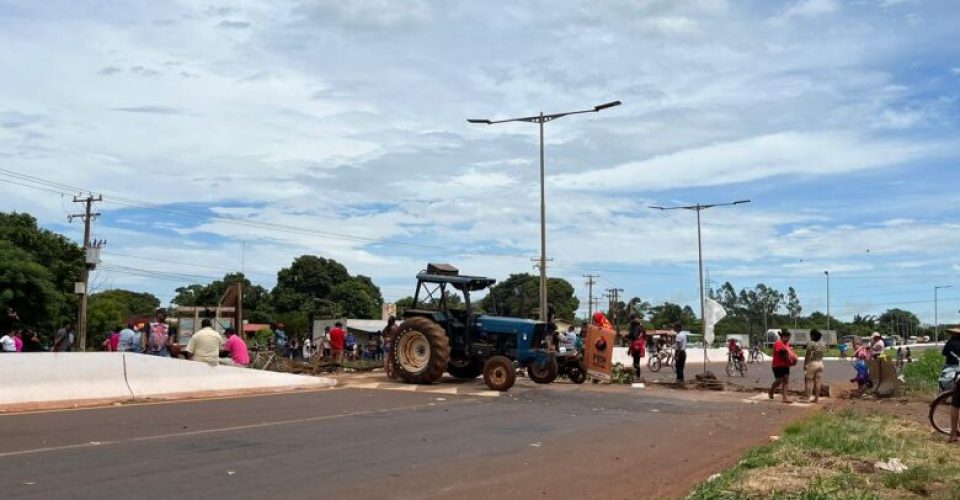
x=435 y=337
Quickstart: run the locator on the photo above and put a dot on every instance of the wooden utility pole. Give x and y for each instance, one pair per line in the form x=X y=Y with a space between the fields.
x=591 y=280
x=87 y=216
x=614 y=295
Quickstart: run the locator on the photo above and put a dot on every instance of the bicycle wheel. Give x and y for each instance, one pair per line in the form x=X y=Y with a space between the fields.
x=730 y=368
x=940 y=412
x=654 y=363
x=742 y=368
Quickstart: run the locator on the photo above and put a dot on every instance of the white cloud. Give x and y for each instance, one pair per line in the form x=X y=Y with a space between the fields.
x=755 y=158
x=811 y=8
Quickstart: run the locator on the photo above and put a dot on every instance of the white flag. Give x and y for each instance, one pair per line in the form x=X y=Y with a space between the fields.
x=713 y=312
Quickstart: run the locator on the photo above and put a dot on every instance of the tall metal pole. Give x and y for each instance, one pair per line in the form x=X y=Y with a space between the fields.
x=543 y=231
x=936 y=315
x=540 y=119
x=828 y=298
x=703 y=316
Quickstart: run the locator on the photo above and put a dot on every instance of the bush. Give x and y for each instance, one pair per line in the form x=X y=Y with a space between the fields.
x=921 y=375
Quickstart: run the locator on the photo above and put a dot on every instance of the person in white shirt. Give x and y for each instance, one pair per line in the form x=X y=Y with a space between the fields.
x=569 y=339
x=205 y=345
x=8 y=344
x=683 y=337
x=878 y=345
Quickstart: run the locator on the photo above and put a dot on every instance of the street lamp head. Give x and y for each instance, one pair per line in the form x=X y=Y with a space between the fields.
x=741 y=202
x=474 y=120
x=600 y=107
x=827 y=273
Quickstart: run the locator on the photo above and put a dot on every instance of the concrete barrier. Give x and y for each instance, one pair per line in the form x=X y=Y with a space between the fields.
x=153 y=377
x=37 y=381
x=42 y=380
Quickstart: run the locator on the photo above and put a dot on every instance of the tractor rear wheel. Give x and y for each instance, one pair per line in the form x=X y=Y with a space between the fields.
x=543 y=373
x=466 y=368
x=421 y=351
x=499 y=373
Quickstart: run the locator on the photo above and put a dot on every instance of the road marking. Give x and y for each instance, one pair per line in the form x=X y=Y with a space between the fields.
x=211 y=431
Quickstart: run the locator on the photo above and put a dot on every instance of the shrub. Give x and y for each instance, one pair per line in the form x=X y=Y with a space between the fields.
x=921 y=375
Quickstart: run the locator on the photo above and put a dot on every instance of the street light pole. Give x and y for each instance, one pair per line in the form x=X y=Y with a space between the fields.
x=541 y=119
x=828 y=298
x=936 y=312
x=699 y=208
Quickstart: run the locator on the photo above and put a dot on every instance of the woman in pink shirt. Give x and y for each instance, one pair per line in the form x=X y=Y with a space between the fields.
x=237 y=348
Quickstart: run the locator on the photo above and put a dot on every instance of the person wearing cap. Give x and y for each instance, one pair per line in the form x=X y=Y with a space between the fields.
x=877 y=346
x=951 y=351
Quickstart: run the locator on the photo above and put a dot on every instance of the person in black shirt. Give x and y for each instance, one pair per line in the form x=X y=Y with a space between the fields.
x=951 y=351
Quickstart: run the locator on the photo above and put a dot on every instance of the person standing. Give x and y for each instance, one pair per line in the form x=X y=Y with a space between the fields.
x=129 y=340
x=61 y=341
x=783 y=359
x=951 y=351
x=307 y=349
x=638 y=348
x=325 y=342
x=683 y=337
x=205 y=344
x=389 y=335
x=158 y=335
x=32 y=344
x=337 y=343
x=877 y=347
x=813 y=366
x=236 y=347
x=280 y=340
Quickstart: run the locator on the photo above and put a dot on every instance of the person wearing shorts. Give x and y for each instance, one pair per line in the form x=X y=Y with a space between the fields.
x=783 y=359
x=813 y=366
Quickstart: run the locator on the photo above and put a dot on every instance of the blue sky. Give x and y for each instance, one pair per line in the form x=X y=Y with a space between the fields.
x=229 y=135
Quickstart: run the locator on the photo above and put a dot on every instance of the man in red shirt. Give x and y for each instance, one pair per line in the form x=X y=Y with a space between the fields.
x=337 y=342
x=783 y=359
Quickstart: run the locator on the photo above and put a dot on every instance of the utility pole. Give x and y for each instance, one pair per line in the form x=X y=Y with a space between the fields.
x=614 y=295
x=936 y=312
x=88 y=263
x=591 y=280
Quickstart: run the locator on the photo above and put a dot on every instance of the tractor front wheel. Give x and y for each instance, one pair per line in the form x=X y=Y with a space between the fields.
x=499 y=373
x=544 y=373
x=421 y=351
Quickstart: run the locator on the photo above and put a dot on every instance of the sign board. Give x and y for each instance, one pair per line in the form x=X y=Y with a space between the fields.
x=598 y=353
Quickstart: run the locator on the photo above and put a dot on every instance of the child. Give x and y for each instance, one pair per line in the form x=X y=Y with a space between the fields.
x=863 y=374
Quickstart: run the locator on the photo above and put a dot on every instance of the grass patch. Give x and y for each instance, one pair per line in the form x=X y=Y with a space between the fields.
x=831 y=455
x=921 y=375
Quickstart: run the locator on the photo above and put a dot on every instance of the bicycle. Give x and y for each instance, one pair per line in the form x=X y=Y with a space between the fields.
x=942 y=406
x=735 y=364
x=755 y=355
x=660 y=359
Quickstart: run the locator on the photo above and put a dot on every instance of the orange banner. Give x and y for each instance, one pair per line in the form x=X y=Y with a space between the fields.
x=598 y=353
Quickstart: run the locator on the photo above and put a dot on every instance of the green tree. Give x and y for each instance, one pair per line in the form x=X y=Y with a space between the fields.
x=899 y=322
x=256 y=299
x=519 y=296
x=793 y=305
x=668 y=313
x=112 y=308
x=355 y=300
x=28 y=288
x=61 y=258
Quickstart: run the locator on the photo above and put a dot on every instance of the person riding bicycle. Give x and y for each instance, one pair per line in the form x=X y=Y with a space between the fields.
x=734 y=351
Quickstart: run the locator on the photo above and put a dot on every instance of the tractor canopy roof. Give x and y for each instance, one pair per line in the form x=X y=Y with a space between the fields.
x=469 y=283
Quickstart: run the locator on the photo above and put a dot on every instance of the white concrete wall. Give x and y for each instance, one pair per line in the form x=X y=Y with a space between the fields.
x=62 y=380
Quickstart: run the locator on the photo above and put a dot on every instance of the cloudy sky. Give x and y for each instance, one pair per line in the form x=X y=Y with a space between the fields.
x=238 y=135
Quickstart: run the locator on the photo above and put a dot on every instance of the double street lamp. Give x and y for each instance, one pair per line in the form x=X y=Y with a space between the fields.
x=699 y=208
x=541 y=119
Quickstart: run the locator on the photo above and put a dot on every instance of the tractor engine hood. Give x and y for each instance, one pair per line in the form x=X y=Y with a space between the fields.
x=499 y=324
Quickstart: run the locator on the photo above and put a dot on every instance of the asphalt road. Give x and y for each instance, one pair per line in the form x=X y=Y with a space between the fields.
x=549 y=441
x=759 y=375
